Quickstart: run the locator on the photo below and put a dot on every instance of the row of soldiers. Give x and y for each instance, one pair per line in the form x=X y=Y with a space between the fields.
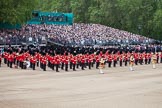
x=66 y=62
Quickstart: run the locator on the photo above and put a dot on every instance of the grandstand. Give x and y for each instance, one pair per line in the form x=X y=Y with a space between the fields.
x=78 y=34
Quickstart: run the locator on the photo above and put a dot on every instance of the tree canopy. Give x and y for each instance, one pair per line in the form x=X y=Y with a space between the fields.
x=16 y=11
x=137 y=16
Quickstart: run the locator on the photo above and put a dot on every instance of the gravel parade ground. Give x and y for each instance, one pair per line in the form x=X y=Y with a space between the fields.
x=117 y=88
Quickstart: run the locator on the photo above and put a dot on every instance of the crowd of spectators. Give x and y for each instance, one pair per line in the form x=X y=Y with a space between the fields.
x=78 y=34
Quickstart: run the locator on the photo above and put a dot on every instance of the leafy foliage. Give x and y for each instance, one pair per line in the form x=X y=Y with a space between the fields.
x=16 y=11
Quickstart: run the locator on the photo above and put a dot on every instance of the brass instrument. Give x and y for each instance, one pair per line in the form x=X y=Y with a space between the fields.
x=102 y=63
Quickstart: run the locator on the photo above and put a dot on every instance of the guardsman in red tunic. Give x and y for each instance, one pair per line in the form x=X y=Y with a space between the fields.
x=70 y=61
x=57 y=63
x=17 y=59
x=115 y=59
x=41 y=64
x=44 y=62
x=74 y=63
x=34 y=60
x=93 y=59
x=149 y=57
x=86 y=60
x=125 y=59
x=78 y=61
x=5 y=57
x=50 y=59
x=37 y=55
x=47 y=59
x=0 y=59
x=136 y=58
x=53 y=63
x=97 y=62
x=66 y=63
x=109 y=60
x=145 y=57
x=14 y=57
x=120 y=59
x=140 y=59
x=83 y=62
x=90 y=60
x=62 y=62
x=21 y=61
x=31 y=64
x=24 y=58
x=10 y=59
x=101 y=54
x=7 y=60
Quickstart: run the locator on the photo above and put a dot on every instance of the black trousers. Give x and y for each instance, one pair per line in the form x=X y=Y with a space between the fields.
x=38 y=63
x=57 y=66
x=62 y=66
x=140 y=61
x=93 y=63
x=145 y=61
x=157 y=60
x=33 y=66
x=52 y=66
x=74 y=67
x=44 y=67
x=149 y=61
x=71 y=65
x=89 y=65
x=10 y=64
x=83 y=66
x=0 y=63
x=5 y=60
x=97 y=65
x=136 y=61
x=66 y=67
x=126 y=62
x=121 y=63
x=109 y=63
x=115 y=63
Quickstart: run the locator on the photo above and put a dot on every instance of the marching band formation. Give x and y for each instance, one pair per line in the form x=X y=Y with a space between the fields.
x=74 y=62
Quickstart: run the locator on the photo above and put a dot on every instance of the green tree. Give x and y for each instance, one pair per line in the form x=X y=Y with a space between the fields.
x=14 y=12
